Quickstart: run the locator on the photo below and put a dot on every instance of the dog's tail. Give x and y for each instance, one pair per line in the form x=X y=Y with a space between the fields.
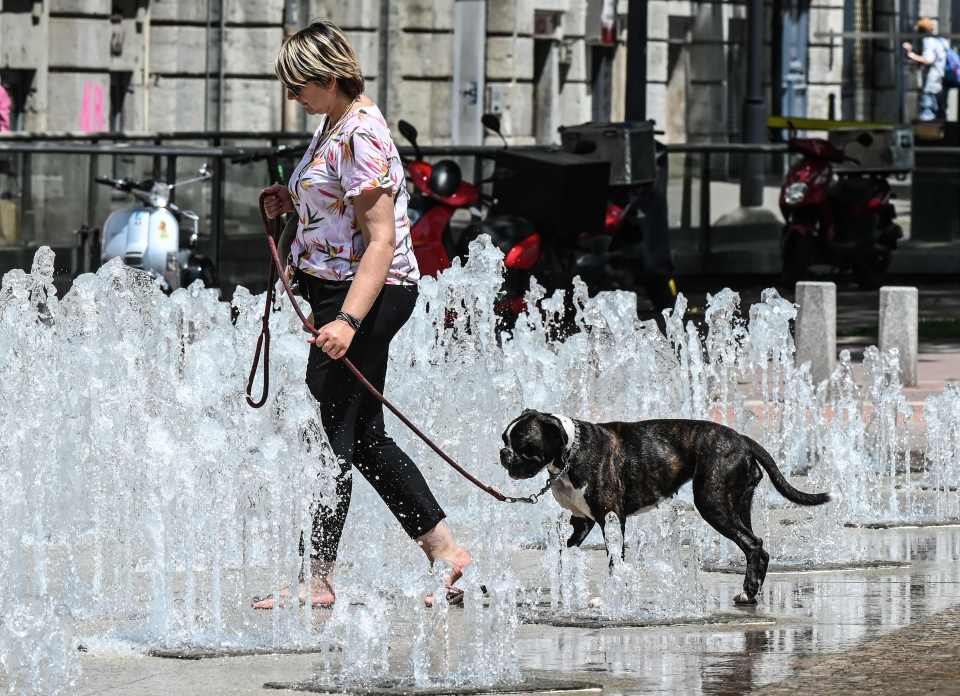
x=779 y=482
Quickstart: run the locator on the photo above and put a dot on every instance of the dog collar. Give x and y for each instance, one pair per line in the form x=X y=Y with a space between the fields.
x=573 y=441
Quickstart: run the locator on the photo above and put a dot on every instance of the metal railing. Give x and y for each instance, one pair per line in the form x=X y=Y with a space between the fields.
x=27 y=150
x=705 y=151
x=700 y=163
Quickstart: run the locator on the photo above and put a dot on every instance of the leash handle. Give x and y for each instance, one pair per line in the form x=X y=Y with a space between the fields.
x=263 y=340
x=276 y=267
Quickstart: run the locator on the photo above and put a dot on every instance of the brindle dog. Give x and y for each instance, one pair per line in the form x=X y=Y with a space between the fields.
x=626 y=468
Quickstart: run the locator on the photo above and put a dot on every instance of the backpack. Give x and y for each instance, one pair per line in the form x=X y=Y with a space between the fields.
x=951 y=71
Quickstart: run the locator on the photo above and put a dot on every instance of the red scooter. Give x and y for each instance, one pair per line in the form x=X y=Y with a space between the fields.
x=439 y=191
x=839 y=219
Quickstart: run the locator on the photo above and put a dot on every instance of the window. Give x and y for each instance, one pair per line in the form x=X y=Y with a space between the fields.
x=119 y=88
x=18 y=85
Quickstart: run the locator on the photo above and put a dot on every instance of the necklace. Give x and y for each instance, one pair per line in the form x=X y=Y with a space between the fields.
x=328 y=131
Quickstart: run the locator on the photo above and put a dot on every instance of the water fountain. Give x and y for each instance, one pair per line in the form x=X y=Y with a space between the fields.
x=150 y=503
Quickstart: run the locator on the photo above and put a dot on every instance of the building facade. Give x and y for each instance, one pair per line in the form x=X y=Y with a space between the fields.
x=189 y=65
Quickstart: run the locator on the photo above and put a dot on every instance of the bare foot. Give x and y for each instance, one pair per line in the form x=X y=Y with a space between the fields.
x=458 y=560
x=454 y=598
x=321 y=596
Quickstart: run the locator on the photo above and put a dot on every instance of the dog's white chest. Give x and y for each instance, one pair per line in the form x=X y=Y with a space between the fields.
x=571 y=498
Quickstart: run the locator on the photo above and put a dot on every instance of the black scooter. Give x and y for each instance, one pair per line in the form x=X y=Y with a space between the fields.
x=628 y=250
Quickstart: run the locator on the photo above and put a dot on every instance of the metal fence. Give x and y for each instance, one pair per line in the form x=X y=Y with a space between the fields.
x=49 y=191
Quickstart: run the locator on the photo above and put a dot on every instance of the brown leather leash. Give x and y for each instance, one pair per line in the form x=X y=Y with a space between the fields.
x=272 y=231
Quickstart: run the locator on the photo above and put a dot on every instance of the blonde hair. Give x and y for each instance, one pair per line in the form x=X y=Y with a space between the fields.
x=317 y=54
x=926 y=25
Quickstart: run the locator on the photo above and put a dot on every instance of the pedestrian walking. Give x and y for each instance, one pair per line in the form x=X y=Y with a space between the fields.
x=932 y=59
x=352 y=255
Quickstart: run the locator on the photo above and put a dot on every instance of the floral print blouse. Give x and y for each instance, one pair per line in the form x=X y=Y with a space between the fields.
x=358 y=156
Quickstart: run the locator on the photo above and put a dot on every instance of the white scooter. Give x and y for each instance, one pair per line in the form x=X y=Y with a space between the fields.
x=146 y=235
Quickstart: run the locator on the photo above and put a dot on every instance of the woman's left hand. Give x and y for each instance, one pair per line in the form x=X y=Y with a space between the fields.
x=334 y=338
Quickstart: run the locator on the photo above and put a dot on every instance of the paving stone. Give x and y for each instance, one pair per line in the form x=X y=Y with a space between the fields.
x=805 y=567
x=213 y=653
x=895 y=524
x=585 y=620
x=529 y=684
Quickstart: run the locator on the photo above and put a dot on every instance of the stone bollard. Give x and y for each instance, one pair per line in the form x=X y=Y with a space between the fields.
x=816 y=333
x=899 y=314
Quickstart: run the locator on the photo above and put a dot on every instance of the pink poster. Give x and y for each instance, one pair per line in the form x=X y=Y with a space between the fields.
x=92 y=116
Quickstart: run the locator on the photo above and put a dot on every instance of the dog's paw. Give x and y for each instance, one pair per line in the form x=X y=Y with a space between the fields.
x=743 y=600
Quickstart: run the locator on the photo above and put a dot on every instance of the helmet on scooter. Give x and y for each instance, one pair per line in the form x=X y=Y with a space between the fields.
x=445 y=178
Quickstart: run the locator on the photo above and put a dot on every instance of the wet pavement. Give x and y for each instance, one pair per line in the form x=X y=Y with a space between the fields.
x=815 y=614
x=886 y=630
x=923 y=658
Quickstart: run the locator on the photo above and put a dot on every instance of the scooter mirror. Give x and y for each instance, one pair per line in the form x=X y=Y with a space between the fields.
x=491 y=122
x=408 y=131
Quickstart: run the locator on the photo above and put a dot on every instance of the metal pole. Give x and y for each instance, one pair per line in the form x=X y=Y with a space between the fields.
x=704 y=211
x=477 y=169
x=636 y=106
x=172 y=176
x=754 y=108
x=92 y=173
x=216 y=213
x=686 y=195
x=26 y=198
x=157 y=160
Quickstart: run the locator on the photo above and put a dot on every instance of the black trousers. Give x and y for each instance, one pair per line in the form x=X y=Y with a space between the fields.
x=353 y=418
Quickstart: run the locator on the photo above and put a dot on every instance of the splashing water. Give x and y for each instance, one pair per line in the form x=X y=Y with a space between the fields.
x=942 y=414
x=151 y=502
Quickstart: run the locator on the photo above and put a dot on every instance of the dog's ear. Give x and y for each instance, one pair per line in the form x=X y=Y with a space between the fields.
x=506 y=431
x=549 y=421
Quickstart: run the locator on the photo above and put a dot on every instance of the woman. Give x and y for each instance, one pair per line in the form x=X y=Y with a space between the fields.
x=353 y=257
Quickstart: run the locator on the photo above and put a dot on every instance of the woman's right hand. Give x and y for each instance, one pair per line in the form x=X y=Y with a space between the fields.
x=277 y=201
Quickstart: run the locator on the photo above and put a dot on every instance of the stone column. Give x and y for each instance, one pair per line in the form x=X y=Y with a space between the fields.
x=816 y=333
x=899 y=314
